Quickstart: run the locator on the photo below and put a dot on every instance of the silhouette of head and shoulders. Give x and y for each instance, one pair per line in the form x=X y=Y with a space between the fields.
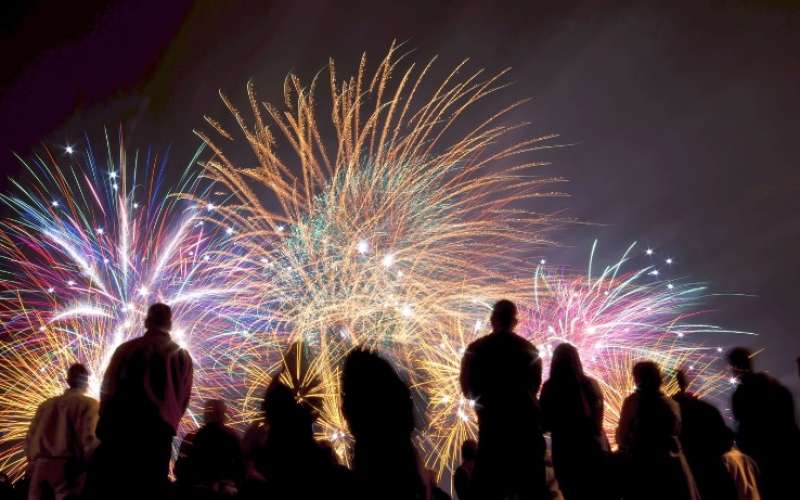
x=148 y=381
x=378 y=408
x=502 y=368
x=571 y=401
x=761 y=404
x=291 y=462
x=213 y=452
x=65 y=415
x=649 y=421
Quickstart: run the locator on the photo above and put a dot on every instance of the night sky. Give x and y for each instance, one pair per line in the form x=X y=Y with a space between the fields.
x=682 y=117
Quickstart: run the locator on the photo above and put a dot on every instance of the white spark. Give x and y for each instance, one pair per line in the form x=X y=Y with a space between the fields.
x=388 y=260
x=86 y=310
x=362 y=247
x=649 y=251
x=69 y=150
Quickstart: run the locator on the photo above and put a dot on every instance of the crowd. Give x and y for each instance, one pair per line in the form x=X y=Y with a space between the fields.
x=670 y=448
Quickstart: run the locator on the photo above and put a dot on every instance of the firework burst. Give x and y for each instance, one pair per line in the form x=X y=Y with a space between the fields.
x=389 y=228
x=615 y=318
x=91 y=245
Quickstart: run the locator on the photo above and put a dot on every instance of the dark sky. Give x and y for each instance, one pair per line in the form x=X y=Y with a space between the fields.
x=684 y=115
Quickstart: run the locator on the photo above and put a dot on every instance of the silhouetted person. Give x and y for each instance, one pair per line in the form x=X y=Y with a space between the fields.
x=572 y=410
x=647 y=436
x=61 y=439
x=767 y=430
x=292 y=464
x=377 y=406
x=704 y=440
x=502 y=373
x=145 y=392
x=462 y=479
x=210 y=463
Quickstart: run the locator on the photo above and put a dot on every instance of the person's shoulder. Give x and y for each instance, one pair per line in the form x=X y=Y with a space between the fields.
x=631 y=399
x=523 y=343
x=86 y=401
x=231 y=432
x=49 y=402
x=129 y=345
x=479 y=343
x=592 y=384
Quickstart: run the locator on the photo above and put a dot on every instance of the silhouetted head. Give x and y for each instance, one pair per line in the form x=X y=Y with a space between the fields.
x=159 y=317
x=740 y=359
x=566 y=363
x=78 y=376
x=283 y=410
x=375 y=400
x=215 y=411
x=469 y=450
x=683 y=381
x=647 y=376
x=504 y=316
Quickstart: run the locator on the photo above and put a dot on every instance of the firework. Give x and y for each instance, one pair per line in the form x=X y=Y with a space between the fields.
x=91 y=245
x=385 y=225
x=614 y=318
x=395 y=225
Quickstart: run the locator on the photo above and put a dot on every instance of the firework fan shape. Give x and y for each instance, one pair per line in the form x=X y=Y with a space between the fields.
x=92 y=244
x=619 y=316
x=389 y=226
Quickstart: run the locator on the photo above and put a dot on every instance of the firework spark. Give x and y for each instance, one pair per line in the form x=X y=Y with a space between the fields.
x=387 y=228
x=89 y=248
x=615 y=319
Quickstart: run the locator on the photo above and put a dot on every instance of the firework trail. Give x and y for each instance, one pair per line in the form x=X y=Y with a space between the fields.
x=615 y=318
x=384 y=224
x=393 y=225
x=91 y=244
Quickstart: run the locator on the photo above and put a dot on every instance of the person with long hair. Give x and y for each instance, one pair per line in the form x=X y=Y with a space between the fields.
x=572 y=411
x=649 y=427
